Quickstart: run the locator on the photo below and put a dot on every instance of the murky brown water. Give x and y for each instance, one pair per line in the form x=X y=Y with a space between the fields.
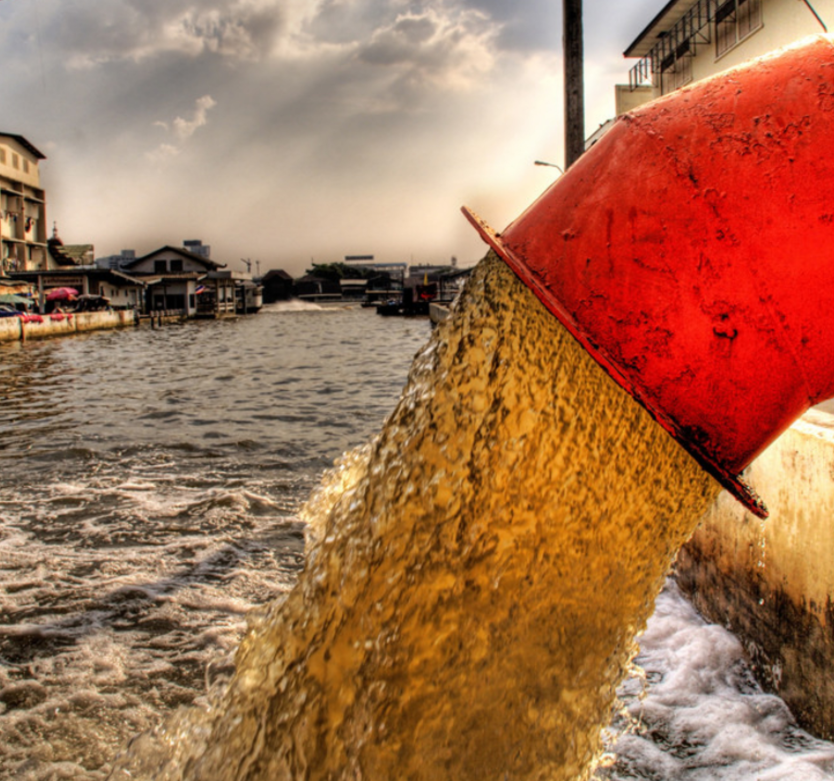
x=150 y=483
x=474 y=579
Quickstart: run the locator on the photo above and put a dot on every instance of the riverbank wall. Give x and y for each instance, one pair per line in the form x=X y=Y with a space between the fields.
x=771 y=582
x=21 y=329
x=438 y=312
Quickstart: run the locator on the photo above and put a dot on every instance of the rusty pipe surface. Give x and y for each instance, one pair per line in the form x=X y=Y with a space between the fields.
x=691 y=252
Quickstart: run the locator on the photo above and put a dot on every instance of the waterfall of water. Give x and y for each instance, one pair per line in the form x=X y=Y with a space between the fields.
x=474 y=579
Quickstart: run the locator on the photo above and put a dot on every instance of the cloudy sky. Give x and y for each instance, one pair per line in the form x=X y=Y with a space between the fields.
x=289 y=130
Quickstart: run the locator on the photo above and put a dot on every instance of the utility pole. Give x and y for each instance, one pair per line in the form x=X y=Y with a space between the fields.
x=574 y=80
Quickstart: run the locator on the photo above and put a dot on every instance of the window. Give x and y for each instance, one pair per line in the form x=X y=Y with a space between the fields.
x=160 y=266
x=2 y=156
x=676 y=69
x=25 y=166
x=176 y=265
x=734 y=21
x=15 y=160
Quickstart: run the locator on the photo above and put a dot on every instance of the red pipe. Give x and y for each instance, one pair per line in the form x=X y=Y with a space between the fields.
x=691 y=252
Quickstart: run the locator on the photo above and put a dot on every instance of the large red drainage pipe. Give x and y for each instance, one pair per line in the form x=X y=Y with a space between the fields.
x=691 y=252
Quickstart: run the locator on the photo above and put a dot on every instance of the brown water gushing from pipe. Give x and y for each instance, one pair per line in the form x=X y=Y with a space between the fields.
x=475 y=578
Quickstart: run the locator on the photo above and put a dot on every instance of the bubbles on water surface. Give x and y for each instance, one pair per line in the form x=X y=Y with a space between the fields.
x=701 y=716
x=130 y=550
x=476 y=578
x=95 y=644
x=125 y=557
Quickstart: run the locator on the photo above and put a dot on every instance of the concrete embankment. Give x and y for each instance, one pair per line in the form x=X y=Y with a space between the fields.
x=772 y=582
x=438 y=312
x=17 y=328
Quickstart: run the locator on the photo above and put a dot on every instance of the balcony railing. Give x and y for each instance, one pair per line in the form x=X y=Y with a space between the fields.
x=690 y=31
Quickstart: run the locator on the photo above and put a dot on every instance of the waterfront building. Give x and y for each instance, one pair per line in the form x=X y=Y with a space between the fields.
x=277 y=285
x=73 y=266
x=122 y=291
x=396 y=271
x=353 y=289
x=178 y=280
x=22 y=206
x=313 y=288
x=689 y=40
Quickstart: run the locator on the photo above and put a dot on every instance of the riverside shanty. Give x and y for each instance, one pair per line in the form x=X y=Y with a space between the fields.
x=49 y=287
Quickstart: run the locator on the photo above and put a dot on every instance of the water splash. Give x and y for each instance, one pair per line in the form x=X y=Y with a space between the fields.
x=474 y=578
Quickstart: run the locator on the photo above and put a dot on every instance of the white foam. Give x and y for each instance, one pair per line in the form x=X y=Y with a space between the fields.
x=703 y=717
x=293 y=305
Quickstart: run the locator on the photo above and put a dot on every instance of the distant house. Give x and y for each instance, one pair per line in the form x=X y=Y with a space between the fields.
x=383 y=287
x=123 y=291
x=313 y=288
x=277 y=285
x=73 y=265
x=22 y=206
x=181 y=281
x=353 y=289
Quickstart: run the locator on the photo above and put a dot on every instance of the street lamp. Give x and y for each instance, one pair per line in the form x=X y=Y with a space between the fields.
x=550 y=165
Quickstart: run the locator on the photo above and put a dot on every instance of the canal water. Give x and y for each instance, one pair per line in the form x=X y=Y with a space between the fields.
x=150 y=494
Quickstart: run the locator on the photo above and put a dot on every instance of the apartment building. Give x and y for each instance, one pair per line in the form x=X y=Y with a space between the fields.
x=689 y=40
x=22 y=207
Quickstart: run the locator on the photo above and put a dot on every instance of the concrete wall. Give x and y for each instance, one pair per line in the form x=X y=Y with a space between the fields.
x=438 y=312
x=626 y=99
x=772 y=582
x=14 y=329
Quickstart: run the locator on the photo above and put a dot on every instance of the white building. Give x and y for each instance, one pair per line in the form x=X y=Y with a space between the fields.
x=689 y=40
x=22 y=207
x=179 y=280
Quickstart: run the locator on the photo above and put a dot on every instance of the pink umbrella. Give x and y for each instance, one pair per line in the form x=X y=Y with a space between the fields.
x=61 y=294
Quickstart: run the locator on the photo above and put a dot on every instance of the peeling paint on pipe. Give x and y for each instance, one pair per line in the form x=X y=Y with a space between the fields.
x=691 y=252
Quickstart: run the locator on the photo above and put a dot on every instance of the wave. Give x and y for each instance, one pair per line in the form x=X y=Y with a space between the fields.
x=293 y=305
